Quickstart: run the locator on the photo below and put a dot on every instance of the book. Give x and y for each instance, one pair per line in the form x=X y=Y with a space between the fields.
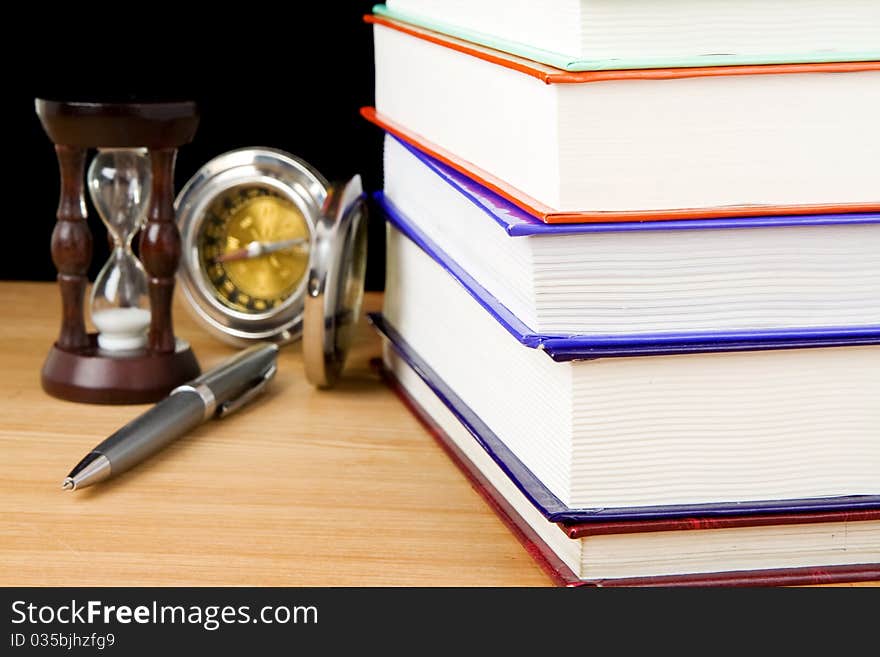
x=724 y=425
x=790 y=274
x=585 y=35
x=745 y=550
x=634 y=145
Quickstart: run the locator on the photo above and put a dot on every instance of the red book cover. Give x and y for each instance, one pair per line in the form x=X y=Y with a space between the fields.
x=562 y=575
x=552 y=216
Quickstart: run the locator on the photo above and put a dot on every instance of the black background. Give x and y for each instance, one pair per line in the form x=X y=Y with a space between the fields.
x=292 y=79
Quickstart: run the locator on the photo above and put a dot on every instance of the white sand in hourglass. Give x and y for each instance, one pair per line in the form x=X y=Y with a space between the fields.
x=122 y=329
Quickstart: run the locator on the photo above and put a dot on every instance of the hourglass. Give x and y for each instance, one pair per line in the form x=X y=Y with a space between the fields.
x=118 y=181
x=134 y=357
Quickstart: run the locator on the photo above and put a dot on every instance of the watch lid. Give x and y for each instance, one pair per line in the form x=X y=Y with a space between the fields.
x=336 y=283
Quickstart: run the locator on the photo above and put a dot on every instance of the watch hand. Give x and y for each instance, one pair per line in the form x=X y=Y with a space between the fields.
x=256 y=249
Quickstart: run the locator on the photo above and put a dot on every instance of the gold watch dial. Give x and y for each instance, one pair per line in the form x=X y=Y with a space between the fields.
x=254 y=248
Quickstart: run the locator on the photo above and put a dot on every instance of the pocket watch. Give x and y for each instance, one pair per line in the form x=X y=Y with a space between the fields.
x=261 y=232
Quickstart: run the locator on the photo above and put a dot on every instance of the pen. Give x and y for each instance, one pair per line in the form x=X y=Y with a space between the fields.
x=217 y=393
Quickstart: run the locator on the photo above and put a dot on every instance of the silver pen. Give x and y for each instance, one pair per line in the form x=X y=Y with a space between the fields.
x=217 y=393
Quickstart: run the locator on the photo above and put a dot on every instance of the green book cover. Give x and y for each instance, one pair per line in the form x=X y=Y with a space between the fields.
x=572 y=63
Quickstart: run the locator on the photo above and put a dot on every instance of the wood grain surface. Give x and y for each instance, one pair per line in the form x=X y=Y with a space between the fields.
x=301 y=488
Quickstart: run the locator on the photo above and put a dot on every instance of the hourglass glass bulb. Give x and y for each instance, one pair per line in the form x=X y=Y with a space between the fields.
x=120 y=303
x=119 y=185
x=118 y=181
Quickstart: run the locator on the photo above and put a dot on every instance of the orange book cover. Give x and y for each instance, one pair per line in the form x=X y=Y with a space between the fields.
x=550 y=75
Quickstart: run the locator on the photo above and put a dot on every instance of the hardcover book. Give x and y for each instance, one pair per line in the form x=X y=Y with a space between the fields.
x=654 y=144
x=740 y=422
x=736 y=549
x=591 y=35
x=789 y=275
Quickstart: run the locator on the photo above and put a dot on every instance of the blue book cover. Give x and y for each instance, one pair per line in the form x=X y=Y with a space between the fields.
x=573 y=347
x=550 y=506
x=519 y=223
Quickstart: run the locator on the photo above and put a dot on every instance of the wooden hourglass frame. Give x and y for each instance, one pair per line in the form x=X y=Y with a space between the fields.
x=76 y=368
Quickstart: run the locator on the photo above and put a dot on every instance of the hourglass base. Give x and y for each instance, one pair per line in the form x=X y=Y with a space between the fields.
x=93 y=376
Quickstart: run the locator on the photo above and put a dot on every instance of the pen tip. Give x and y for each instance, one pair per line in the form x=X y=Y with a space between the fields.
x=68 y=484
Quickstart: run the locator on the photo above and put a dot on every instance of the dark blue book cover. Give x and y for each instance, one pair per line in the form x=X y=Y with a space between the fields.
x=573 y=347
x=552 y=507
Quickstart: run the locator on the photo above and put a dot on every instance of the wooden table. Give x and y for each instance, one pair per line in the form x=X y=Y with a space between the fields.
x=303 y=488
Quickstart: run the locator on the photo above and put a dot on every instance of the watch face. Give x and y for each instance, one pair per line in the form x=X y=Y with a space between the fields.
x=247 y=226
x=253 y=249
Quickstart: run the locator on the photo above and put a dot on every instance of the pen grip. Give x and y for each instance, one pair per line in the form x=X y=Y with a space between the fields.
x=168 y=420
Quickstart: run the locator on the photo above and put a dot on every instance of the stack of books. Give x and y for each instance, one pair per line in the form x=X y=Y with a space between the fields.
x=633 y=276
